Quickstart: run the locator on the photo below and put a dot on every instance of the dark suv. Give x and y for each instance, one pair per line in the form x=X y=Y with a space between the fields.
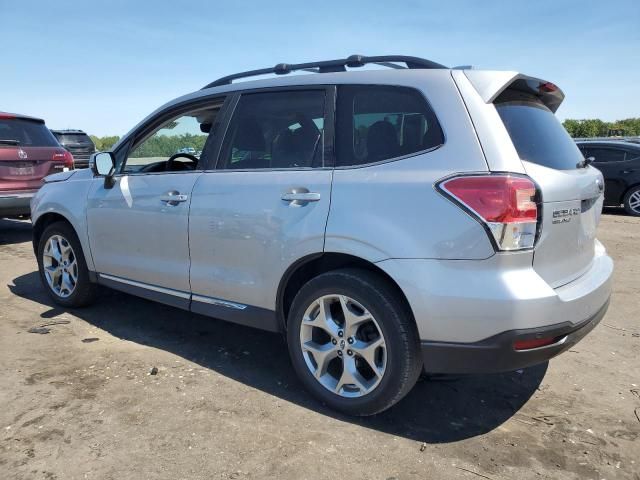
x=619 y=163
x=78 y=143
x=28 y=153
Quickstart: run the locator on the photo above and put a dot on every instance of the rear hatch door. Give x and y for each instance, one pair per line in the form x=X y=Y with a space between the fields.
x=28 y=153
x=571 y=193
x=79 y=144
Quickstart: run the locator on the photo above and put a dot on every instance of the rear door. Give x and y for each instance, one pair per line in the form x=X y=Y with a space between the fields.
x=28 y=153
x=572 y=195
x=266 y=204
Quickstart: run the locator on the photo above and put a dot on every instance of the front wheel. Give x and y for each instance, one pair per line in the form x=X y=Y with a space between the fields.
x=353 y=342
x=62 y=266
x=632 y=201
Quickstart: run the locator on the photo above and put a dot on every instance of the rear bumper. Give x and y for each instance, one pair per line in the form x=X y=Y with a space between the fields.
x=497 y=354
x=469 y=312
x=15 y=203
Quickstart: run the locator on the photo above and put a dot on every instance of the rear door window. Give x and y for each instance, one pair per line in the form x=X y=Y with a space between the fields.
x=376 y=123
x=605 y=155
x=536 y=132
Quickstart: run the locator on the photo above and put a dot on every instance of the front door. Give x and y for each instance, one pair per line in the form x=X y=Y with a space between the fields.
x=138 y=229
x=265 y=206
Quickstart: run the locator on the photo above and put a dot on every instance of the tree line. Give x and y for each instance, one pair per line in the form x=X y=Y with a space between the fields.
x=104 y=144
x=168 y=145
x=156 y=146
x=594 y=127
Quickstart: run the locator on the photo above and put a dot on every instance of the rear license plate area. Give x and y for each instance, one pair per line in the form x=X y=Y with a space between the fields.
x=22 y=171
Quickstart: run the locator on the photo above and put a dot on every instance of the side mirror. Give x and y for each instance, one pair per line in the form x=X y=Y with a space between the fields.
x=104 y=165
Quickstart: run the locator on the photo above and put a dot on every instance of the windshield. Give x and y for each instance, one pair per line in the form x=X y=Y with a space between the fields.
x=26 y=133
x=537 y=134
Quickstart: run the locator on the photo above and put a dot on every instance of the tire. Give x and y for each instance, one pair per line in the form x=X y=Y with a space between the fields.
x=397 y=359
x=83 y=291
x=632 y=201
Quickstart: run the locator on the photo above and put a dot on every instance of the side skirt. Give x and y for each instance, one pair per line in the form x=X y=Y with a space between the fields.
x=248 y=315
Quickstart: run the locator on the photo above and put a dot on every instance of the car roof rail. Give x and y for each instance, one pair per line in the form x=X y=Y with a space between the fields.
x=327 y=66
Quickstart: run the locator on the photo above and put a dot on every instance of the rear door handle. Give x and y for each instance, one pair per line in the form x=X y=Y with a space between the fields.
x=300 y=196
x=173 y=198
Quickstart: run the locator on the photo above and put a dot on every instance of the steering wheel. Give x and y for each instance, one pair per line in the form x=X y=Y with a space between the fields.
x=170 y=162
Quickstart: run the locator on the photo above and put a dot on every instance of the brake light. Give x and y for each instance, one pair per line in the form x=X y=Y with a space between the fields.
x=547 y=87
x=6 y=116
x=506 y=204
x=65 y=157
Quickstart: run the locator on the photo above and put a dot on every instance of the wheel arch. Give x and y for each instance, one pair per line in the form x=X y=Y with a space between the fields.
x=627 y=193
x=310 y=266
x=627 y=190
x=43 y=222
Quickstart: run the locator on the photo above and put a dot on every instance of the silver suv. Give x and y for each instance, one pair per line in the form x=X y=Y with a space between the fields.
x=388 y=221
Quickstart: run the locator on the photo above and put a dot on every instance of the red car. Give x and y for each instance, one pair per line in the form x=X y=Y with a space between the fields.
x=28 y=153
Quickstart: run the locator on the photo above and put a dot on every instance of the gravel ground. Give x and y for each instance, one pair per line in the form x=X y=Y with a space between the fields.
x=80 y=402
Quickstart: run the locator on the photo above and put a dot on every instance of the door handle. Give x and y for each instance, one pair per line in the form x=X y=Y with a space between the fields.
x=300 y=196
x=173 y=198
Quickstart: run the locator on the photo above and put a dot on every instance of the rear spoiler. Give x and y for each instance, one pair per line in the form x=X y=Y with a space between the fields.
x=490 y=84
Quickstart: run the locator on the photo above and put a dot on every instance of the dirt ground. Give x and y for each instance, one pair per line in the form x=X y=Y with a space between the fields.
x=80 y=402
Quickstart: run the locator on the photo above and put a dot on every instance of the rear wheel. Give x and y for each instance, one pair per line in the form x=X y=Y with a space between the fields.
x=62 y=267
x=632 y=201
x=352 y=341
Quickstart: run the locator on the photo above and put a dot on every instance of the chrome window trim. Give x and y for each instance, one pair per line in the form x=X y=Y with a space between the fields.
x=390 y=160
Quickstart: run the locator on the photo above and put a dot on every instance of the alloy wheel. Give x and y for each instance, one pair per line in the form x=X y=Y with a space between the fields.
x=343 y=346
x=60 y=266
x=634 y=201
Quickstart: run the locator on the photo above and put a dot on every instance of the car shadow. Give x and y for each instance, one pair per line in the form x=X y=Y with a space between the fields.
x=438 y=410
x=14 y=231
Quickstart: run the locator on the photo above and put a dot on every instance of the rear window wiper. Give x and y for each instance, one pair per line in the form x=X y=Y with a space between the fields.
x=9 y=142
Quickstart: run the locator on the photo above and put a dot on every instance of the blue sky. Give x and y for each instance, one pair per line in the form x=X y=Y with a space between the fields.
x=103 y=66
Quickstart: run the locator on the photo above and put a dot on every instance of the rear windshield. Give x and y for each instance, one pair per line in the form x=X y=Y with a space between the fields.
x=537 y=134
x=66 y=138
x=26 y=132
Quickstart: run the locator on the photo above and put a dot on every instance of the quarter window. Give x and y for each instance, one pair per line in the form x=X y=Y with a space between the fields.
x=276 y=130
x=376 y=123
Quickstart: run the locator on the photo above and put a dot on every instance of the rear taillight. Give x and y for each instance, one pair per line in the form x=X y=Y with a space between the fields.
x=506 y=204
x=64 y=156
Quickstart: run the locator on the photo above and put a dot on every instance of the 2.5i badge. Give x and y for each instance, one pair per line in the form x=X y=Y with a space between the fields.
x=564 y=215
